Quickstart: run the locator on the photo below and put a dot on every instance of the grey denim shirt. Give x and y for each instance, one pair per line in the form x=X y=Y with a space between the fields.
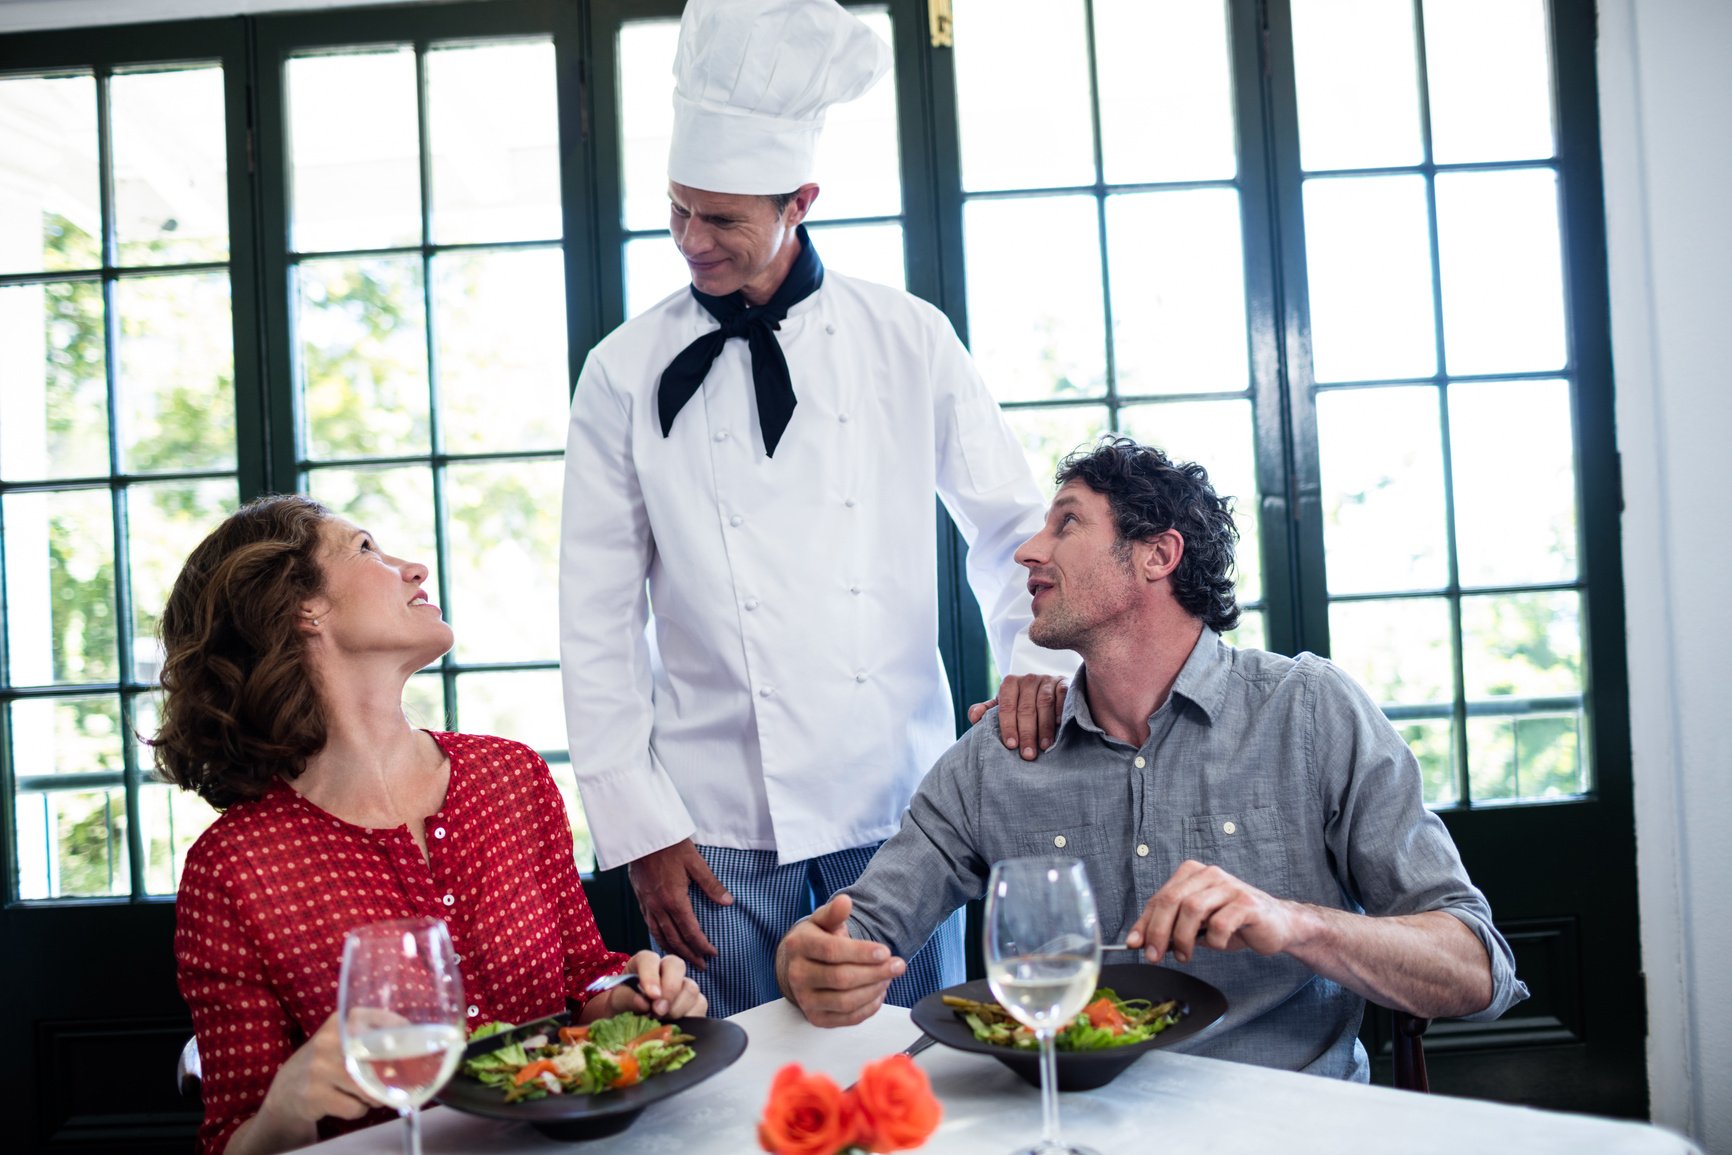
x=1281 y=771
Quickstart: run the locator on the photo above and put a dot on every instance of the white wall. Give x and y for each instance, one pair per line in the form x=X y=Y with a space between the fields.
x=1666 y=111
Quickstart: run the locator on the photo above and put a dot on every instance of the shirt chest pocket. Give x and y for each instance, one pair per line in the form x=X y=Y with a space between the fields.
x=1248 y=844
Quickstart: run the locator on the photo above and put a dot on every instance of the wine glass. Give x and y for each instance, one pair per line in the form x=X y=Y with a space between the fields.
x=400 y=1014
x=1043 y=957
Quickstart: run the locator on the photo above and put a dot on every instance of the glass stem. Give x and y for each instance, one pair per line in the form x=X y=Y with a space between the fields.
x=412 y=1131
x=1048 y=1088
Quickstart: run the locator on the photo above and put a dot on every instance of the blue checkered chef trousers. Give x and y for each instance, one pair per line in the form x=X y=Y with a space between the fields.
x=770 y=898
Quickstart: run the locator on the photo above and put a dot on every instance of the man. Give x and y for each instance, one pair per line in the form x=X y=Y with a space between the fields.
x=1262 y=805
x=764 y=450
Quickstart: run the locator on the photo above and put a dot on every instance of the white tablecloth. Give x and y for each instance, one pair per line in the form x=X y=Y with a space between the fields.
x=1163 y=1103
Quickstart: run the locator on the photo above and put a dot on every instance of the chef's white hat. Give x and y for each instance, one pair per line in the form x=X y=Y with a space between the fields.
x=752 y=79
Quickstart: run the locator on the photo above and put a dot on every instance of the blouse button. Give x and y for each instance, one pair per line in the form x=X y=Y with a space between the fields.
x=736 y=520
x=438 y=832
x=1229 y=828
x=1059 y=842
x=474 y=1010
x=449 y=900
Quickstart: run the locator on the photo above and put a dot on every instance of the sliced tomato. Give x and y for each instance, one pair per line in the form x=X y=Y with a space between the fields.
x=1104 y=1014
x=628 y=1071
x=530 y=1070
x=570 y=1035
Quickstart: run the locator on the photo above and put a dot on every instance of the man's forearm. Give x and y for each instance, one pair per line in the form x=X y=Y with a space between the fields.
x=1430 y=964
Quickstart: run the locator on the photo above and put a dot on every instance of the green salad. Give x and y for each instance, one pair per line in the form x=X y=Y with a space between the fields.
x=602 y=1056
x=1107 y=1021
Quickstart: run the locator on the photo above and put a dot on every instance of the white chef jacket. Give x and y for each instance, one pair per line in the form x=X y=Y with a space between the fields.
x=788 y=693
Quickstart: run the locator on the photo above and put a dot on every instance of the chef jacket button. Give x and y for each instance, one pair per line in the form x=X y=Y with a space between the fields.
x=721 y=435
x=853 y=589
x=736 y=520
x=1142 y=850
x=849 y=503
x=1059 y=842
x=830 y=328
x=766 y=691
x=842 y=417
x=859 y=675
x=449 y=900
x=1140 y=762
x=751 y=603
x=438 y=832
x=1229 y=828
x=474 y=1010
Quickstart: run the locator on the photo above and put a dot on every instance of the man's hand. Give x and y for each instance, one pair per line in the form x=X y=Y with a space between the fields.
x=661 y=880
x=835 y=980
x=1205 y=903
x=1029 y=707
x=664 y=990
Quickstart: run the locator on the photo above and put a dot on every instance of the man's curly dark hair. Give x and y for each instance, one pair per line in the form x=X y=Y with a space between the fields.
x=1150 y=494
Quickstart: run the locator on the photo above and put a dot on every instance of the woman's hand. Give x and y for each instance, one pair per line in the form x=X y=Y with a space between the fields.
x=313 y=1083
x=664 y=991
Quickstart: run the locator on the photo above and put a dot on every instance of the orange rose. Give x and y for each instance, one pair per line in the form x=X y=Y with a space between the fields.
x=896 y=1102
x=807 y=1115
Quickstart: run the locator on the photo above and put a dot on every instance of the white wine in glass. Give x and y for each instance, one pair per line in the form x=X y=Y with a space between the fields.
x=400 y=1014
x=1043 y=958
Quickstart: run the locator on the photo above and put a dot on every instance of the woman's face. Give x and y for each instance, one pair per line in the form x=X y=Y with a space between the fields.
x=374 y=603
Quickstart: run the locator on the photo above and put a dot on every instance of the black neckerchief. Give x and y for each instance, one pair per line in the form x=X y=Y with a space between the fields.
x=757 y=324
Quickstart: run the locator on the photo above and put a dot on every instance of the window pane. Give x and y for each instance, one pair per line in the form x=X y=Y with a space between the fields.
x=646 y=119
x=1218 y=436
x=363 y=346
x=1532 y=757
x=1398 y=650
x=1178 y=291
x=1525 y=427
x=1488 y=66
x=582 y=846
x=654 y=269
x=50 y=207
x=1499 y=248
x=493 y=129
x=1522 y=645
x=170 y=167
x=66 y=735
x=424 y=701
x=1166 y=90
x=858 y=164
x=72 y=844
x=171 y=820
x=870 y=252
x=53 y=381
x=165 y=522
x=1022 y=94
x=526 y=706
x=59 y=587
x=1049 y=435
x=1249 y=634
x=1358 y=87
x=1383 y=506
x=500 y=321
x=175 y=379
x=1433 y=743
x=395 y=503
x=1034 y=345
x=354 y=180
x=1368 y=261
x=504 y=550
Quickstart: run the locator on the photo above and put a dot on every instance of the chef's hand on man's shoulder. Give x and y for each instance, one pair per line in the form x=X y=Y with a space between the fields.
x=1029 y=708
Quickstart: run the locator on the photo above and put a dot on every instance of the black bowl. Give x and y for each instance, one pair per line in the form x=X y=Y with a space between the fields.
x=717 y=1043
x=1083 y=1070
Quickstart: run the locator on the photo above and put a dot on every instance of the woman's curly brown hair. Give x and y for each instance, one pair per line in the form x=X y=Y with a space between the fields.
x=240 y=708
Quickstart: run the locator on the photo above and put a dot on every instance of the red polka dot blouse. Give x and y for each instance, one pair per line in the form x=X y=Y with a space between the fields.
x=271 y=888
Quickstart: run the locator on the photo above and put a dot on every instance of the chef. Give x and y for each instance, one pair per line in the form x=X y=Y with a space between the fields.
x=750 y=475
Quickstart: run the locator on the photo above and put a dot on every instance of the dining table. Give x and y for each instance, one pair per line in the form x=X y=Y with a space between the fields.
x=1165 y=1101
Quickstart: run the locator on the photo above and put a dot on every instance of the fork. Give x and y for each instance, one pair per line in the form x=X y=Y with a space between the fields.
x=925 y=1040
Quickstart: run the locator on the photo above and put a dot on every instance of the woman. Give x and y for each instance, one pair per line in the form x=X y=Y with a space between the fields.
x=289 y=636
